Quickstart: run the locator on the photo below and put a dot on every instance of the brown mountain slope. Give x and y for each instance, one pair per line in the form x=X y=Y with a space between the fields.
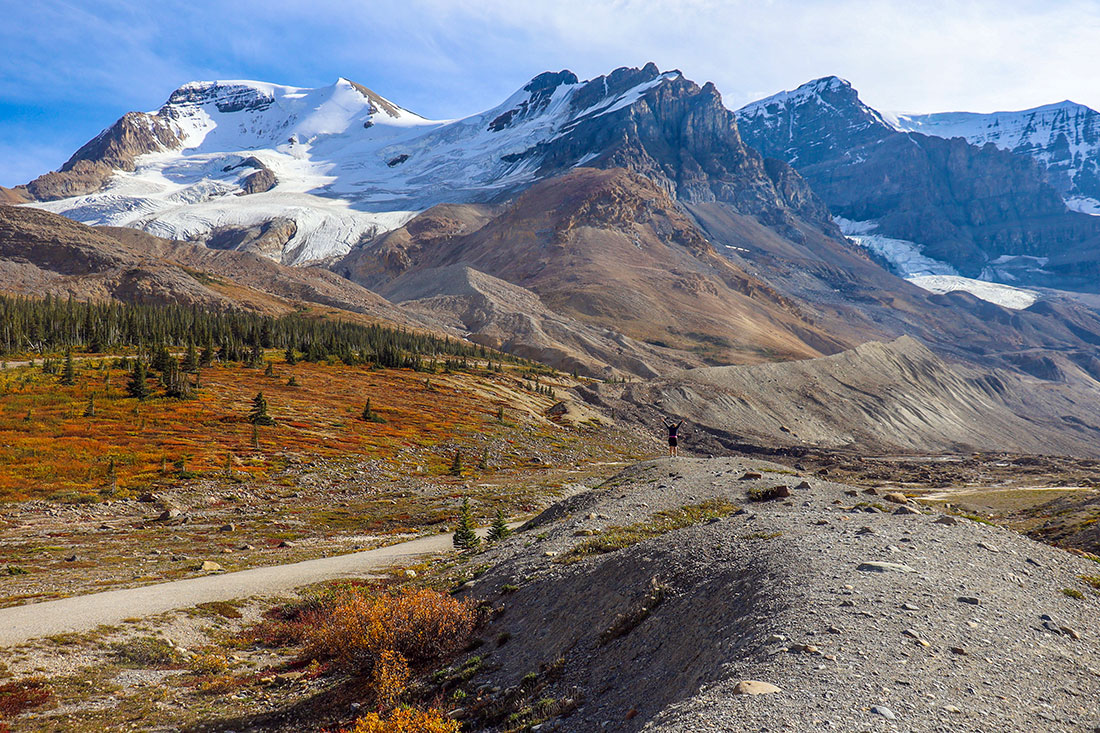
x=608 y=248
x=849 y=295
x=44 y=253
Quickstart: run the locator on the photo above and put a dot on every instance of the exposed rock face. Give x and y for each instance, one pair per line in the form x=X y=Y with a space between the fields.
x=113 y=149
x=1064 y=138
x=263 y=179
x=967 y=205
x=267 y=239
x=680 y=135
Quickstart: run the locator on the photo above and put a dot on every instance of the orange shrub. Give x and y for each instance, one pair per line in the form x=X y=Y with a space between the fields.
x=419 y=625
x=406 y=720
x=391 y=674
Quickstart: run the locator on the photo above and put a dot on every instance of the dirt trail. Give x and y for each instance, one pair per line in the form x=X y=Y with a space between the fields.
x=82 y=613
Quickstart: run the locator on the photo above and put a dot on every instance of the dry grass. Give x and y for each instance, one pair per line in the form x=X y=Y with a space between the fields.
x=617 y=538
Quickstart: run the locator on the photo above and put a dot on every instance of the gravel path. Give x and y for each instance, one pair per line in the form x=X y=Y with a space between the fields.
x=866 y=620
x=82 y=613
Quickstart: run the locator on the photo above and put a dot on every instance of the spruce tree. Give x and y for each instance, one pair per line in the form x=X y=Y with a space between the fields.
x=456 y=464
x=207 y=356
x=190 y=359
x=465 y=538
x=270 y=371
x=89 y=409
x=257 y=415
x=499 y=529
x=68 y=374
x=368 y=414
x=137 y=387
x=483 y=463
x=290 y=356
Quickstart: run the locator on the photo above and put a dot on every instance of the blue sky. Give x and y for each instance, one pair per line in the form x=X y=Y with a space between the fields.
x=69 y=69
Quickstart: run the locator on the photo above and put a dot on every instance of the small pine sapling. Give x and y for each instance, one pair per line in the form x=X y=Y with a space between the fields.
x=89 y=409
x=465 y=537
x=499 y=529
x=456 y=464
x=257 y=414
x=68 y=374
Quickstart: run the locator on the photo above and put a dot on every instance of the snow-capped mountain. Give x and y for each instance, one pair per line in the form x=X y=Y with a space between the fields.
x=1064 y=138
x=222 y=162
x=986 y=212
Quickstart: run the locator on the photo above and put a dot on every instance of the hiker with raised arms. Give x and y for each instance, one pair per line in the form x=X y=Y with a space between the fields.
x=673 y=429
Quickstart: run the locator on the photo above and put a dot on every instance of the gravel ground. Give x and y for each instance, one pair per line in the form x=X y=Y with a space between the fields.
x=972 y=632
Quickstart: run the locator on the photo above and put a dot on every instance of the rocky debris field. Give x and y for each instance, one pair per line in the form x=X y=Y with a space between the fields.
x=827 y=608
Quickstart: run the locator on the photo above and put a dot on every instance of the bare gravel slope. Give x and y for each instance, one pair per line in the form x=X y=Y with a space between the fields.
x=967 y=627
x=896 y=396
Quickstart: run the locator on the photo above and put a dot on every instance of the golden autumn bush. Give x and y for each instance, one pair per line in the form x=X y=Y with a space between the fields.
x=406 y=720
x=360 y=628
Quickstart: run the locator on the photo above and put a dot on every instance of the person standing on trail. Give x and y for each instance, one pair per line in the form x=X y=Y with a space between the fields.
x=673 y=429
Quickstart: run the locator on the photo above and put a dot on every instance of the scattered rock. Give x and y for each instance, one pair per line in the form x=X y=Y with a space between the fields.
x=884 y=712
x=968 y=599
x=286 y=543
x=169 y=514
x=228 y=528
x=410 y=573
x=755 y=687
x=750 y=476
x=946 y=519
x=71 y=558
x=896 y=498
x=958 y=650
x=148 y=497
x=209 y=566
x=906 y=510
x=804 y=485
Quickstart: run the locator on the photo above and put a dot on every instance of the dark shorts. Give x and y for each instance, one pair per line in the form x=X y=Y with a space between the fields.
x=672 y=441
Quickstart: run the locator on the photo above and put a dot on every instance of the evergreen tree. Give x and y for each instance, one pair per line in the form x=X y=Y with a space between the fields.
x=499 y=529
x=500 y=414
x=456 y=464
x=137 y=386
x=68 y=374
x=270 y=371
x=483 y=464
x=290 y=356
x=190 y=359
x=207 y=356
x=465 y=538
x=292 y=382
x=89 y=409
x=257 y=415
x=256 y=356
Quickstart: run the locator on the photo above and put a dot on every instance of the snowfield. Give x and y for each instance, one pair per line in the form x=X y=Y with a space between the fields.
x=907 y=260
